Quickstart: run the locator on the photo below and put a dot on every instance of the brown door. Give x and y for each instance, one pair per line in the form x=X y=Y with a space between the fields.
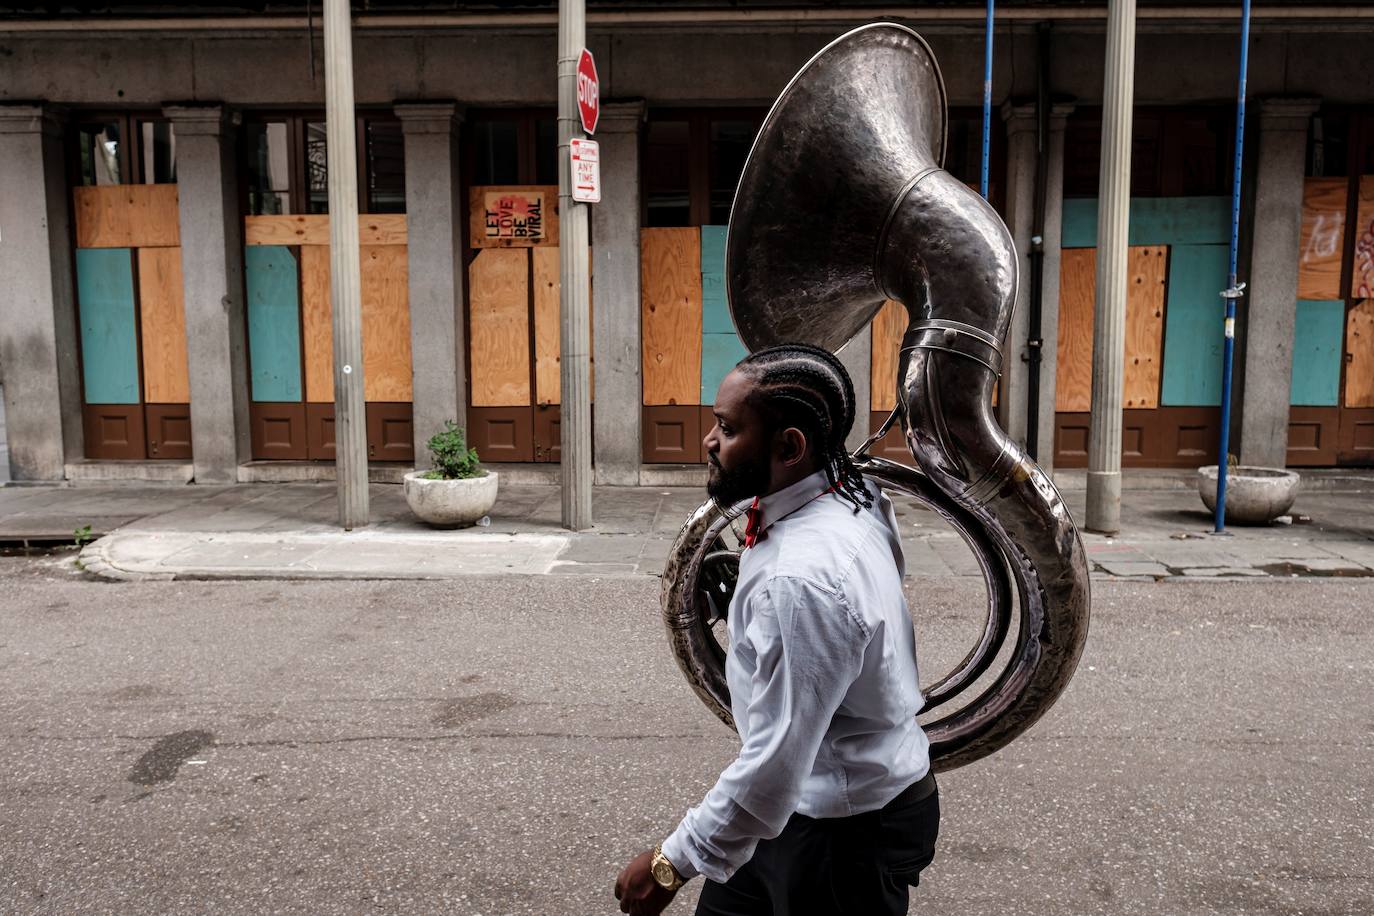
x=514 y=387
x=291 y=345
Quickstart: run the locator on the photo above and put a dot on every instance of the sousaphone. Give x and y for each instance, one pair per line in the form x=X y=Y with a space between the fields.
x=842 y=205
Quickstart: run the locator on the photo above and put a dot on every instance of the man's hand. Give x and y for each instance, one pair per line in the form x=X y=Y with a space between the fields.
x=639 y=894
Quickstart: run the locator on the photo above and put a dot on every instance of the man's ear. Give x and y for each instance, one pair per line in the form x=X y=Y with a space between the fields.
x=791 y=446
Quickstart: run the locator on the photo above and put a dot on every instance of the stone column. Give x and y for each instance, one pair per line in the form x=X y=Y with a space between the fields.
x=216 y=308
x=857 y=356
x=434 y=233
x=1013 y=393
x=1049 y=286
x=616 y=355
x=38 y=327
x=1269 y=308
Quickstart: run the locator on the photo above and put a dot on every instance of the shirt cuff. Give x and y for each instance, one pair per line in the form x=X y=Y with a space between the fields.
x=675 y=850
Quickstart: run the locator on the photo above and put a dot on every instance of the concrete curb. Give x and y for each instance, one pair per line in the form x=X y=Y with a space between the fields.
x=143 y=556
x=95 y=559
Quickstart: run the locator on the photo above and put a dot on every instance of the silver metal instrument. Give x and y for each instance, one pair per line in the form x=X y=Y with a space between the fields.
x=842 y=205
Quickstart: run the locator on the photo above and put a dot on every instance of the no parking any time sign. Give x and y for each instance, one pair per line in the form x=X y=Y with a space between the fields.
x=586 y=171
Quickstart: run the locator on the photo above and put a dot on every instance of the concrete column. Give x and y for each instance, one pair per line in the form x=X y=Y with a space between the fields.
x=1269 y=307
x=1109 y=314
x=38 y=329
x=1013 y=393
x=212 y=271
x=615 y=298
x=1049 y=283
x=434 y=232
x=857 y=356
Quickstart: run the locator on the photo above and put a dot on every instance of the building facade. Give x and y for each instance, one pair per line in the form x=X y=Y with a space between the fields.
x=164 y=231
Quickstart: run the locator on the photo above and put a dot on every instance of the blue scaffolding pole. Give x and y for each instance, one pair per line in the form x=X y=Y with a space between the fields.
x=1234 y=290
x=987 y=98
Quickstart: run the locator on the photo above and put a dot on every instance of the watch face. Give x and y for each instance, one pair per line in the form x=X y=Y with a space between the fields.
x=663 y=871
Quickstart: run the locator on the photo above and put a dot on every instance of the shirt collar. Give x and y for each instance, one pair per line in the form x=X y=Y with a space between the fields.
x=777 y=506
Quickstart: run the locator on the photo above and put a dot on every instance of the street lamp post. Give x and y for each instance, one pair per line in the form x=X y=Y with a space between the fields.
x=350 y=418
x=574 y=272
x=1109 y=318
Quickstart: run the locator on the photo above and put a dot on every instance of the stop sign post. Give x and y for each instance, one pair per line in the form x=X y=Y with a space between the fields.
x=588 y=92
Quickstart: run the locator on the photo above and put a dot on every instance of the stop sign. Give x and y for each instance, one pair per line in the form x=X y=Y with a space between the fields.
x=588 y=92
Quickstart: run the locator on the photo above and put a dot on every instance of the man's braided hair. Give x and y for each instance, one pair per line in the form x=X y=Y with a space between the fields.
x=796 y=385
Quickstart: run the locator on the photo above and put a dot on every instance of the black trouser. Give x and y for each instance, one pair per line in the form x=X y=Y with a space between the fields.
x=845 y=866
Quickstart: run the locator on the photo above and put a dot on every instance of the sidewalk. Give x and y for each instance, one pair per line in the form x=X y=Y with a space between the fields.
x=290 y=531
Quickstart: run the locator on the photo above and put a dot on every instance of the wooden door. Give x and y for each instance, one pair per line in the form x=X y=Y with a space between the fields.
x=1356 y=443
x=1356 y=436
x=514 y=324
x=290 y=337
x=1331 y=420
x=136 y=387
x=671 y=329
x=1153 y=435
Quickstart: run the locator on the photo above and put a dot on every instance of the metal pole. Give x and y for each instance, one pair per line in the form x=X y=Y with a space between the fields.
x=350 y=418
x=574 y=262
x=1233 y=290
x=987 y=97
x=1035 y=342
x=1109 y=320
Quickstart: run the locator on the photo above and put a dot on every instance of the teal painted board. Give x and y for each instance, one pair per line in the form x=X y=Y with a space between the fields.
x=1193 y=314
x=1318 y=332
x=719 y=353
x=109 y=325
x=1154 y=221
x=1079 y=227
x=274 y=329
x=715 y=308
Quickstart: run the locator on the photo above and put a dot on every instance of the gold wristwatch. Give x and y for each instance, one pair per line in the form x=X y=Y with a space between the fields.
x=664 y=872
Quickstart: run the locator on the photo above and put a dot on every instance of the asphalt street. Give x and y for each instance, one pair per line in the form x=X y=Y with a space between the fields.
x=502 y=745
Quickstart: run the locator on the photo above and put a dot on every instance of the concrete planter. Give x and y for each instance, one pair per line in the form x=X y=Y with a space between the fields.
x=450 y=503
x=1254 y=496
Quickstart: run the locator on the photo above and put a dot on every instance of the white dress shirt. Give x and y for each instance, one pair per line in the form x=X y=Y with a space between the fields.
x=822 y=676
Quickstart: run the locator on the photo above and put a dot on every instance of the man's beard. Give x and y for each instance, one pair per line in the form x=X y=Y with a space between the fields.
x=744 y=481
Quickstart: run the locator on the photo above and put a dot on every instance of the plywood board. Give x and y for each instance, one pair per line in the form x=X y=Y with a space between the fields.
x=163 y=320
x=547 y=343
x=888 y=329
x=272 y=282
x=302 y=229
x=1359 y=345
x=670 y=283
x=1362 y=274
x=1323 y=238
x=1146 y=268
x=1073 y=378
x=1318 y=329
x=386 y=323
x=499 y=331
x=127 y=216
x=1193 y=326
x=109 y=335
x=513 y=216
x=316 y=328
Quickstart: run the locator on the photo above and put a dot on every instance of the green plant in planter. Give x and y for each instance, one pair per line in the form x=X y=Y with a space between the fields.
x=454 y=459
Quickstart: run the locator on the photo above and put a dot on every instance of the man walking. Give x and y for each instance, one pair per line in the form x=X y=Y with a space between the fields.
x=830 y=808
